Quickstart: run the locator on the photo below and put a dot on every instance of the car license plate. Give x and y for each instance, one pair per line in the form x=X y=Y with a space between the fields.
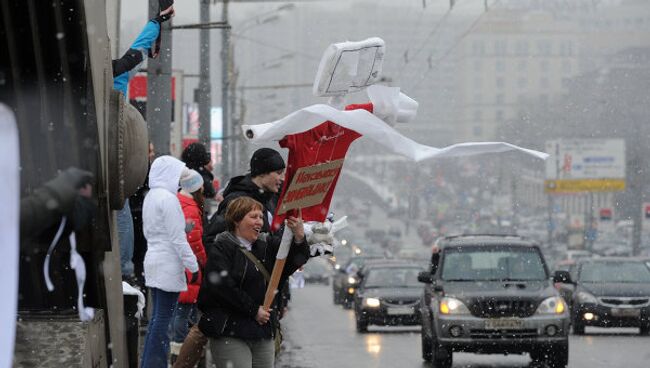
x=626 y=312
x=503 y=324
x=398 y=311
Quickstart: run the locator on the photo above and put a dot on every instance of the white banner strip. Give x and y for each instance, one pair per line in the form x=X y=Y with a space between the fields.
x=370 y=126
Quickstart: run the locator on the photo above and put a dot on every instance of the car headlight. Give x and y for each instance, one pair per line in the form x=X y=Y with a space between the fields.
x=352 y=280
x=552 y=305
x=371 y=302
x=584 y=297
x=452 y=306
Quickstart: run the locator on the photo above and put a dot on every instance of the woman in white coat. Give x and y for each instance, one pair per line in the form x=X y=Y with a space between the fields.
x=167 y=257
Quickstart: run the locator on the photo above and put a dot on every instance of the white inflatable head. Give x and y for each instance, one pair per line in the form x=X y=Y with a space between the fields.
x=349 y=67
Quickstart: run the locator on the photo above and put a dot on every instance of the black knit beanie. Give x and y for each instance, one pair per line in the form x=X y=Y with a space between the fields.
x=266 y=160
x=195 y=156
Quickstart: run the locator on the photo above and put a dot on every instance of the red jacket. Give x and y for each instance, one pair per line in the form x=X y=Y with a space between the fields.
x=194 y=216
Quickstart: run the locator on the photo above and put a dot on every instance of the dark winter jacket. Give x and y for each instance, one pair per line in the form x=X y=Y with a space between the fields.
x=209 y=191
x=37 y=212
x=235 y=288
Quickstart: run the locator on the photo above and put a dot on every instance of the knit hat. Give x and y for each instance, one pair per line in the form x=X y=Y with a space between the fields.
x=191 y=181
x=195 y=156
x=266 y=160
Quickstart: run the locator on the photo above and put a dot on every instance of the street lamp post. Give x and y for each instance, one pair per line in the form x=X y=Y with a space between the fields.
x=225 y=88
x=232 y=146
x=159 y=108
x=204 y=98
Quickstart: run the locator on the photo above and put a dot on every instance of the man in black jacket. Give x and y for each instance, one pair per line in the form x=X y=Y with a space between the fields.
x=262 y=184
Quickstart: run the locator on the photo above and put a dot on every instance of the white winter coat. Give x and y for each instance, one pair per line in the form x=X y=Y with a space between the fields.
x=163 y=223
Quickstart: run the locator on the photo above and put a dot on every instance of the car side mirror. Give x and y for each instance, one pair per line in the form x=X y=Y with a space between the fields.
x=425 y=277
x=562 y=277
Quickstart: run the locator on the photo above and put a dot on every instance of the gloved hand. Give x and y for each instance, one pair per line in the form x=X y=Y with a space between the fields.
x=166 y=11
x=320 y=233
x=73 y=177
x=195 y=277
x=165 y=4
x=189 y=226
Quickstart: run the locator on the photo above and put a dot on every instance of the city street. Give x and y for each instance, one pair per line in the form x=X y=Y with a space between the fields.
x=320 y=334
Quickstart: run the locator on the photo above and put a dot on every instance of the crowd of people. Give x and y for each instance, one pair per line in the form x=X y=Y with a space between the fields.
x=206 y=278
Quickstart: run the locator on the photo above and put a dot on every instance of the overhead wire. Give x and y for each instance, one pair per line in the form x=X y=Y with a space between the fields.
x=276 y=47
x=408 y=46
x=453 y=47
x=434 y=31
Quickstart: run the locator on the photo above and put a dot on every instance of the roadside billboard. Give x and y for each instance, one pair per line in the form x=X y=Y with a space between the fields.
x=585 y=165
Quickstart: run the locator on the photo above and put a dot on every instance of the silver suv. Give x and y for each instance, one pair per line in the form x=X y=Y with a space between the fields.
x=492 y=294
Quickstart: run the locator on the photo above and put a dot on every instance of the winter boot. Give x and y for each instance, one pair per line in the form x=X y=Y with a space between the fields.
x=174 y=350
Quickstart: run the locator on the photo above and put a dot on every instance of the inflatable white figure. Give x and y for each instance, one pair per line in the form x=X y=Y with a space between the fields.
x=318 y=136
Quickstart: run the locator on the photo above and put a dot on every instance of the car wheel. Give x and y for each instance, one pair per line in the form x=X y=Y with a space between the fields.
x=427 y=354
x=362 y=325
x=578 y=328
x=644 y=329
x=555 y=356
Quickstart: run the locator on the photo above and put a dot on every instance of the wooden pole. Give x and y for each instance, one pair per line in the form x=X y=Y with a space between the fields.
x=278 y=267
x=272 y=289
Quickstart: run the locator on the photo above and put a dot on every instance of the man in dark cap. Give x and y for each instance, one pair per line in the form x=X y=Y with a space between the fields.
x=196 y=157
x=262 y=184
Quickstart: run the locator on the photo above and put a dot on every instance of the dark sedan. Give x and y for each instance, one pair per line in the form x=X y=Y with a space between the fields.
x=610 y=292
x=345 y=280
x=388 y=296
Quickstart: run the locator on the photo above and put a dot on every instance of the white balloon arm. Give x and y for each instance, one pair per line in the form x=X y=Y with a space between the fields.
x=370 y=126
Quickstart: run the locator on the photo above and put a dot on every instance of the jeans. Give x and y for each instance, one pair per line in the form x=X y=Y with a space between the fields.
x=125 y=237
x=232 y=352
x=156 y=343
x=184 y=316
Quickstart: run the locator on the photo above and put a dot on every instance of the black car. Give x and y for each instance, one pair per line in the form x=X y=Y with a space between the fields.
x=492 y=294
x=609 y=292
x=388 y=295
x=345 y=280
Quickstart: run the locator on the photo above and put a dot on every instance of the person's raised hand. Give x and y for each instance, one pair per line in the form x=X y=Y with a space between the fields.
x=263 y=315
x=166 y=13
x=297 y=227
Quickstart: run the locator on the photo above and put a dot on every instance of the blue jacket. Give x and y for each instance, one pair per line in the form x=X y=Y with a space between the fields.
x=142 y=43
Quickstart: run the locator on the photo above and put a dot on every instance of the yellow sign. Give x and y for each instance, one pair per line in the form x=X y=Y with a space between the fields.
x=309 y=185
x=584 y=185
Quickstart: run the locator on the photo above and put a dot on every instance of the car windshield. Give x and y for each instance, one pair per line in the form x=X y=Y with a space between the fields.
x=492 y=264
x=389 y=277
x=623 y=272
